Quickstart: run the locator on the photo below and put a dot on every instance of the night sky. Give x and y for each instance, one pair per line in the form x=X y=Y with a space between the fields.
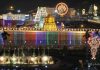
x=27 y=5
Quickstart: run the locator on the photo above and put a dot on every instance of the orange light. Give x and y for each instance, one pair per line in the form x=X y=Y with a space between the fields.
x=62 y=8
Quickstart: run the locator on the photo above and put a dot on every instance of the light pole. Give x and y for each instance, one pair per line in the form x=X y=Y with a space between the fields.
x=18 y=11
x=95 y=10
x=11 y=8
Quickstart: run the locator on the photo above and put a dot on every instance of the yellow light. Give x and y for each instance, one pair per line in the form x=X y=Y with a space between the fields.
x=49 y=23
x=95 y=7
x=82 y=26
x=2 y=58
x=32 y=59
x=11 y=7
x=14 y=59
x=44 y=58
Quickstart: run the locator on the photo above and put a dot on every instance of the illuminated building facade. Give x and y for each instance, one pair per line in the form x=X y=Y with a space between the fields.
x=49 y=24
x=71 y=12
x=39 y=17
x=14 y=20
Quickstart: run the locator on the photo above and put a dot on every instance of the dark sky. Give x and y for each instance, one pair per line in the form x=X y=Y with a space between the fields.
x=27 y=5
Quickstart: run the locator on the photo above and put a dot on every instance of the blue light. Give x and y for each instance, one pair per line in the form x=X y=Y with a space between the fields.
x=18 y=11
x=23 y=19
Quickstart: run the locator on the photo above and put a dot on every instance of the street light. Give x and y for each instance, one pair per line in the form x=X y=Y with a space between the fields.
x=18 y=11
x=82 y=25
x=11 y=8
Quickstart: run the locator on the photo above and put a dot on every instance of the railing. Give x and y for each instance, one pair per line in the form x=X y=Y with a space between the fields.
x=33 y=29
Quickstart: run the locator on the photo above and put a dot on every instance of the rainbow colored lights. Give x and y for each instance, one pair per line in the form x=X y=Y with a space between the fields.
x=45 y=38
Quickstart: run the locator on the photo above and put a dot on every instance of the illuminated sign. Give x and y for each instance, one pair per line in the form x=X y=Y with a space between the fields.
x=14 y=17
x=61 y=9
